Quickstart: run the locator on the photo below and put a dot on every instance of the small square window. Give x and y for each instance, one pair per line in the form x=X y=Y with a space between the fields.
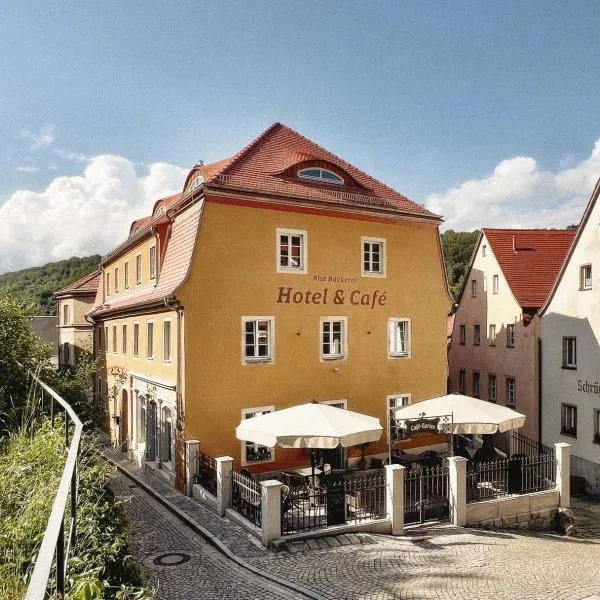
x=476 y=335
x=510 y=336
x=568 y=419
x=491 y=387
x=569 y=353
x=373 y=257
x=462 y=333
x=291 y=251
x=333 y=338
x=511 y=391
x=585 y=277
x=257 y=339
x=399 y=337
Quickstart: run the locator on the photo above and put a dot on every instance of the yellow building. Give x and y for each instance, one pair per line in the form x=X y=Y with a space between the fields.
x=278 y=276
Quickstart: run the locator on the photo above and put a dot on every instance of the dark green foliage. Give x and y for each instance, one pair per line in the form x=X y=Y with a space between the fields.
x=38 y=284
x=458 y=248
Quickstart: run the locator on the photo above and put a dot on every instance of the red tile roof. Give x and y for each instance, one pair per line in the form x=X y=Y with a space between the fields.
x=88 y=283
x=173 y=271
x=530 y=260
x=261 y=167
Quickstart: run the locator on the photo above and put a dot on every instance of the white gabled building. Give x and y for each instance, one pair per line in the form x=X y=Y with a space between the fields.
x=571 y=351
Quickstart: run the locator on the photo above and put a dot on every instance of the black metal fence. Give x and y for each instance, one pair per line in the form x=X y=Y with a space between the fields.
x=521 y=444
x=206 y=472
x=333 y=501
x=426 y=494
x=538 y=473
x=246 y=498
x=487 y=479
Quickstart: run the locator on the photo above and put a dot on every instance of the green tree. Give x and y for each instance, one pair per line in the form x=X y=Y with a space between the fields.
x=458 y=248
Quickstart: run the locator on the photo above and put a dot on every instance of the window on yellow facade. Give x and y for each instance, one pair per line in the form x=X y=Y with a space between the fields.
x=106 y=338
x=107 y=283
x=116 y=280
x=167 y=340
x=257 y=339
x=334 y=338
x=150 y=340
x=291 y=250
x=114 y=339
x=65 y=314
x=136 y=339
x=138 y=269
x=126 y=274
x=124 y=339
x=373 y=257
x=398 y=337
x=152 y=262
x=395 y=401
x=255 y=453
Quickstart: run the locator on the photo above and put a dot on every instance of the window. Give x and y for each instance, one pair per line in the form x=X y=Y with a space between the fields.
x=483 y=250
x=596 y=426
x=393 y=402
x=126 y=275
x=399 y=337
x=150 y=340
x=124 y=339
x=373 y=257
x=333 y=338
x=142 y=427
x=511 y=391
x=569 y=353
x=491 y=387
x=117 y=280
x=473 y=288
x=66 y=353
x=585 y=277
x=495 y=284
x=510 y=336
x=114 y=339
x=138 y=269
x=462 y=381
x=492 y=335
x=166 y=435
x=254 y=453
x=462 y=333
x=257 y=339
x=476 y=381
x=568 y=419
x=152 y=262
x=136 y=339
x=476 y=335
x=65 y=314
x=106 y=338
x=108 y=284
x=321 y=175
x=167 y=340
x=291 y=251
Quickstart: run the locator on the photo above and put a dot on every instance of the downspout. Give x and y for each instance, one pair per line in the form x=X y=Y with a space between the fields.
x=540 y=389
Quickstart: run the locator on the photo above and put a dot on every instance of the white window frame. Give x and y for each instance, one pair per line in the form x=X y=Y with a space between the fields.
x=568 y=414
x=462 y=334
x=136 y=340
x=492 y=334
x=394 y=337
x=138 y=269
x=391 y=404
x=114 y=340
x=381 y=242
x=108 y=283
x=495 y=284
x=124 y=339
x=149 y=347
x=302 y=268
x=270 y=358
x=338 y=181
x=569 y=352
x=152 y=260
x=126 y=274
x=510 y=335
x=167 y=359
x=585 y=282
x=492 y=397
x=343 y=354
x=511 y=395
x=483 y=250
x=117 y=287
x=66 y=314
x=244 y=445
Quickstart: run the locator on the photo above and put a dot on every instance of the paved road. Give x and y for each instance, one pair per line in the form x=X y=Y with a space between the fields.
x=178 y=562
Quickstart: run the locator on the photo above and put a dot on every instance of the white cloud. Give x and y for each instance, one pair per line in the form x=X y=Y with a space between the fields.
x=81 y=215
x=520 y=194
x=28 y=169
x=43 y=138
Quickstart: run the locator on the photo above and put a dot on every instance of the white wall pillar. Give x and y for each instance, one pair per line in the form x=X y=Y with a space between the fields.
x=270 y=491
x=192 y=448
x=224 y=483
x=394 y=497
x=563 y=473
x=457 y=492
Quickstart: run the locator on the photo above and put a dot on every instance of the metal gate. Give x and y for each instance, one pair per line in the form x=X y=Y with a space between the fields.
x=426 y=494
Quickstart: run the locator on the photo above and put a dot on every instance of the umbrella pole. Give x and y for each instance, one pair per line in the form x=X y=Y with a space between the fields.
x=452 y=433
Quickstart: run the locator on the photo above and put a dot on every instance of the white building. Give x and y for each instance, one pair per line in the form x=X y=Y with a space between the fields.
x=571 y=351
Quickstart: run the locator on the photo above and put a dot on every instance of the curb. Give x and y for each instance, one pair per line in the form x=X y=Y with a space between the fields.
x=211 y=538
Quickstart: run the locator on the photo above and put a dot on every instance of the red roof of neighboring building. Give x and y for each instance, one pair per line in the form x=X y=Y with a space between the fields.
x=88 y=283
x=530 y=260
x=261 y=166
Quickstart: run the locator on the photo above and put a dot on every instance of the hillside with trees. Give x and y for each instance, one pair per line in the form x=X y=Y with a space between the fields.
x=37 y=284
x=458 y=247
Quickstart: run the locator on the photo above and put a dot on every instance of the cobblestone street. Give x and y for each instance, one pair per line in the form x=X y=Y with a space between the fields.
x=435 y=561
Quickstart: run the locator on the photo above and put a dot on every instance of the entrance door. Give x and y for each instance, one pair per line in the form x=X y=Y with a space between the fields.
x=151 y=422
x=124 y=429
x=426 y=494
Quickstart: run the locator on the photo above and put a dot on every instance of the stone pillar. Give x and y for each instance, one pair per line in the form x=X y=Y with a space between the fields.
x=192 y=447
x=224 y=483
x=394 y=497
x=270 y=491
x=457 y=490
x=563 y=473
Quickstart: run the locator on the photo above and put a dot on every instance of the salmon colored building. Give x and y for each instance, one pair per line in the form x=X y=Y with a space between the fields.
x=278 y=276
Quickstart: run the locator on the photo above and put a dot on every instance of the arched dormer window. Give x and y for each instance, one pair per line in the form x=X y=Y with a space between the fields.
x=322 y=175
x=161 y=211
x=196 y=182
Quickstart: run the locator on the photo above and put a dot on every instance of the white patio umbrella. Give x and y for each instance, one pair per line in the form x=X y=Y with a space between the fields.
x=469 y=415
x=310 y=425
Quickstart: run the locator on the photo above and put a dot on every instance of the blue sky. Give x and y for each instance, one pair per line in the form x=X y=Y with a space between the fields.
x=482 y=111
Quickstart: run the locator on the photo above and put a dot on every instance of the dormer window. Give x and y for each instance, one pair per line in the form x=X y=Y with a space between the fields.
x=161 y=211
x=196 y=182
x=322 y=175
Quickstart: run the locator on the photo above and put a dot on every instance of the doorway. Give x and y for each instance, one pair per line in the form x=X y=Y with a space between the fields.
x=151 y=423
x=124 y=429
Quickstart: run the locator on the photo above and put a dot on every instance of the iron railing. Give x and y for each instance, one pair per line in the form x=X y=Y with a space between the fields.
x=333 y=501
x=52 y=550
x=206 y=469
x=521 y=444
x=246 y=497
x=487 y=480
x=426 y=494
x=538 y=473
